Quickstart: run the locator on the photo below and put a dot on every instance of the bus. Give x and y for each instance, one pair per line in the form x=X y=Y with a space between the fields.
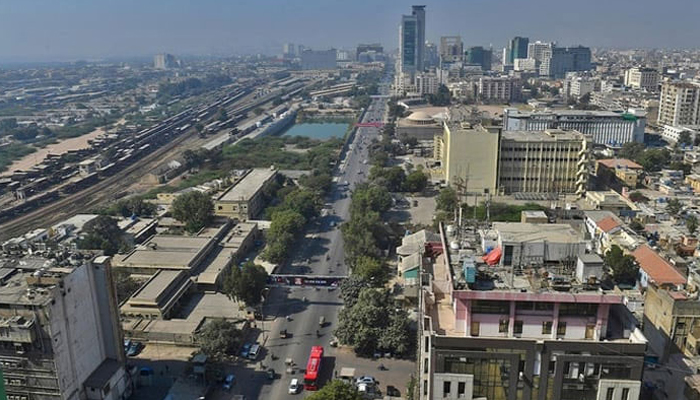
x=313 y=367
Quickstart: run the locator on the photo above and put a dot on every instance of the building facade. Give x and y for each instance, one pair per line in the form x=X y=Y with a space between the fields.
x=245 y=199
x=164 y=61
x=642 y=78
x=319 y=59
x=679 y=104
x=426 y=83
x=375 y=48
x=477 y=55
x=673 y=133
x=500 y=89
x=568 y=59
x=517 y=47
x=451 y=49
x=550 y=161
x=412 y=42
x=605 y=127
x=61 y=334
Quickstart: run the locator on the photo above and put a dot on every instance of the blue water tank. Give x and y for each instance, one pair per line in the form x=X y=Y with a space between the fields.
x=469 y=270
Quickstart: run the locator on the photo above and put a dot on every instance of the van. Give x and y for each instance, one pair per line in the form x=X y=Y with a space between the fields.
x=254 y=350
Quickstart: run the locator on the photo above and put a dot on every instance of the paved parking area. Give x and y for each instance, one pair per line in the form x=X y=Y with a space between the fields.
x=398 y=372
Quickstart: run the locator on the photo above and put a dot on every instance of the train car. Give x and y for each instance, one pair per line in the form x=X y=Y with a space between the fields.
x=107 y=170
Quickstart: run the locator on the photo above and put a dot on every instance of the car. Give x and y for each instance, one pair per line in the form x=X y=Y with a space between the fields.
x=294 y=386
x=229 y=382
x=134 y=349
x=366 y=380
x=245 y=349
x=254 y=351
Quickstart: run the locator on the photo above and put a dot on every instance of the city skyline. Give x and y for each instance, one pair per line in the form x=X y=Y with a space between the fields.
x=44 y=31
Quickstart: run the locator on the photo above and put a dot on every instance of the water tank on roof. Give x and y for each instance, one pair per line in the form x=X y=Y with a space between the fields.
x=454 y=245
x=450 y=229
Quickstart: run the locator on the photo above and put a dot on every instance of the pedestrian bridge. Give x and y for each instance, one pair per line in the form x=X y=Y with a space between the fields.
x=278 y=280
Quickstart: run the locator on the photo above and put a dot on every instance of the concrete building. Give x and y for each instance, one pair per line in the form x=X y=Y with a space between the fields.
x=289 y=50
x=550 y=161
x=673 y=133
x=60 y=331
x=679 y=104
x=605 y=127
x=538 y=51
x=642 y=78
x=451 y=49
x=622 y=170
x=517 y=48
x=419 y=125
x=567 y=59
x=503 y=334
x=576 y=86
x=499 y=89
x=159 y=297
x=363 y=48
x=244 y=200
x=426 y=83
x=164 y=61
x=525 y=65
x=318 y=59
x=477 y=55
x=412 y=42
x=468 y=156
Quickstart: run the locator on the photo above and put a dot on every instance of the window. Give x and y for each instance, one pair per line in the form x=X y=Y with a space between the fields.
x=446 y=388
x=625 y=394
x=609 y=394
x=547 y=327
x=461 y=388
x=503 y=326
x=561 y=329
x=475 y=329
x=518 y=327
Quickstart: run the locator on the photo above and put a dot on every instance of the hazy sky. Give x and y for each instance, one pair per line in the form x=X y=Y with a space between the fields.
x=49 y=30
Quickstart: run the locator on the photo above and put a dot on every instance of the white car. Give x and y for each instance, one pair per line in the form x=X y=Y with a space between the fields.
x=294 y=386
x=366 y=380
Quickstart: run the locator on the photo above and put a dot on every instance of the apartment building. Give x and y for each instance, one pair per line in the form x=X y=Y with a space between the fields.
x=679 y=103
x=61 y=337
x=673 y=133
x=501 y=89
x=244 y=200
x=605 y=127
x=505 y=334
x=549 y=161
x=642 y=78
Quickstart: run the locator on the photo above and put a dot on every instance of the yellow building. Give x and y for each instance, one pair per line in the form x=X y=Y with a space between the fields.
x=244 y=200
x=694 y=181
x=469 y=156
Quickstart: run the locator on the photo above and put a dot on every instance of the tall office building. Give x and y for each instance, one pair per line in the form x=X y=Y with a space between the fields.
x=412 y=42
x=517 y=49
x=61 y=337
x=289 y=50
x=431 y=57
x=319 y=59
x=164 y=61
x=451 y=49
x=679 y=103
x=477 y=55
x=538 y=50
x=368 y=48
x=568 y=59
x=642 y=78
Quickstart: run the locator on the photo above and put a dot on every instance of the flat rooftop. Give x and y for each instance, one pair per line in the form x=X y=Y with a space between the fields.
x=512 y=112
x=529 y=232
x=156 y=285
x=549 y=135
x=247 y=187
x=165 y=251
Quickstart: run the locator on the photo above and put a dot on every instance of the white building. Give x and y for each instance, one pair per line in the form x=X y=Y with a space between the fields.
x=502 y=88
x=578 y=86
x=672 y=133
x=525 y=64
x=426 y=83
x=606 y=127
x=679 y=103
x=642 y=78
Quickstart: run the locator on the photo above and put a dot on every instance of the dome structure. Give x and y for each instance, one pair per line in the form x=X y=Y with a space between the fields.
x=420 y=118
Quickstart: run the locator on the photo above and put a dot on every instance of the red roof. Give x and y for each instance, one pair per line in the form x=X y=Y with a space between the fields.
x=658 y=269
x=607 y=224
x=620 y=162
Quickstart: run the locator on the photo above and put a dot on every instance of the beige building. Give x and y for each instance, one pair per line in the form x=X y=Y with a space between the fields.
x=468 y=156
x=419 y=125
x=500 y=89
x=642 y=78
x=550 y=161
x=679 y=104
x=160 y=296
x=244 y=200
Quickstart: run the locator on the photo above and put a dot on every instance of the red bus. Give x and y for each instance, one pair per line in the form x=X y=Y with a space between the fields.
x=313 y=367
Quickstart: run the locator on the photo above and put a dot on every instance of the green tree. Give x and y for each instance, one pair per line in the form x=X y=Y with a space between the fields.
x=692 y=224
x=416 y=181
x=681 y=166
x=624 y=266
x=369 y=268
x=351 y=287
x=246 y=283
x=636 y=226
x=258 y=110
x=654 y=159
x=368 y=197
x=632 y=150
x=684 y=138
x=303 y=201
x=194 y=209
x=102 y=233
x=336 y=390
x=674 y=206
x=392 y=178
x=447 y=200
x=638 y=197
x=359 y=235
x=125 y=285
x=219 y=338
x=397 y=335
x=443 y=97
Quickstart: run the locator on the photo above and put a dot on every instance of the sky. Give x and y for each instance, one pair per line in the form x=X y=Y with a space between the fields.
x=65 y=30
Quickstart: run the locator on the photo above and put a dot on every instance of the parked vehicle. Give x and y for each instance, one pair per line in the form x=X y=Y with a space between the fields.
x=294 y=386
x=245 y=349
x=367 y=380
x=229 y=382
x=322 y=321
x=134 y=349
x=254 y=351
x=283 y=334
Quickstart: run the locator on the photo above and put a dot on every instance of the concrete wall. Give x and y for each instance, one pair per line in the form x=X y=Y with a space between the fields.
x=454 y=380
x=617 y=387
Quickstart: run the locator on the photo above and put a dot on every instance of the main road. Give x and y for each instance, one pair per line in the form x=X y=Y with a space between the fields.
x=319 y=253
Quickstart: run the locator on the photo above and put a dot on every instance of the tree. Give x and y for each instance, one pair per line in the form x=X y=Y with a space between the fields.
x=397 y=335
x=258 y=110
x=638 y=197
x=246 y=283
x=416 y=181
x=369 y=268
x=443 y=97
x=636 y=226
x=632 y=150
x=624 y=266
x=447 y=200
x=370 y=198
x=692 y=224
x=681 y=166
x=194 y=209
x=336 y=390
x=684 y=139
x=219 y=338
x=392 y=178
x=124 y=283
x=654 y=159
x=102 y=233
x=284 y=228
x=303 y=201
x=674 y=206
x=351 y=287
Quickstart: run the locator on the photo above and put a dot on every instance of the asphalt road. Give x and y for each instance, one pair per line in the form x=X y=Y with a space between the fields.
x=320 y=253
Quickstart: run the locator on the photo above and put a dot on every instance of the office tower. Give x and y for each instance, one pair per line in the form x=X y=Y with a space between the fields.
x=517 y=49
x=679 y=103
x=451 y=49
x=61 y=337
x=642 y=78
x=289 y=50
x=567 y=59
x=367 y=48
x=318 y=59
x=164 y=61
x=477 y=55
x=606 y=127
x=412 y=42
x=431 y=55
x=538 y=50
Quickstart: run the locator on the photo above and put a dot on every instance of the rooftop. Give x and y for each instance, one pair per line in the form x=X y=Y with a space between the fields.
x=549 y=135
x=528 y=232
x=247 y=187
x=659 y=270
x=515 y=113
x=620 y=163
x=156 y=285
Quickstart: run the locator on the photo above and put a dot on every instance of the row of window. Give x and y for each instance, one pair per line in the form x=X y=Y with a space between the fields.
x=532 y=149
x=518 y=327
x=503 y=307
x=534 y=158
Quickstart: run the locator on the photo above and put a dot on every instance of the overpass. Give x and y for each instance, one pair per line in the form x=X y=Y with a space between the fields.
x=377 y=124
x=280 y=280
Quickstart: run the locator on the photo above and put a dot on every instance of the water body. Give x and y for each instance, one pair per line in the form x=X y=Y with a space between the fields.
x=321 y=130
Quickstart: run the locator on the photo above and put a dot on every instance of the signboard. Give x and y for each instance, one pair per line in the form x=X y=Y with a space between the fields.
x=304 y=280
